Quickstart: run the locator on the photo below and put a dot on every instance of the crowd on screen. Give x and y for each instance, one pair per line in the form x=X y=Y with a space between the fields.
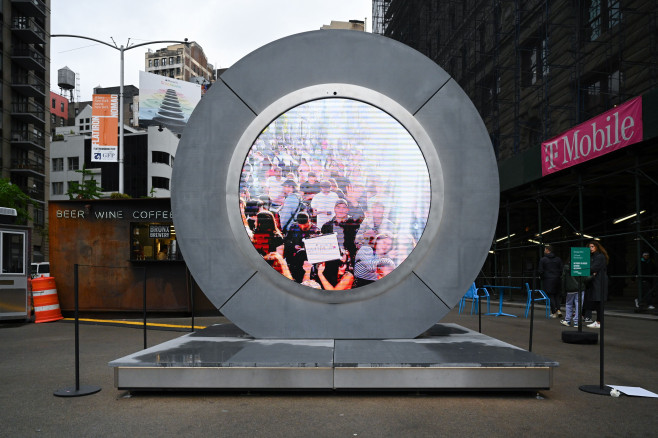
x=291 y=192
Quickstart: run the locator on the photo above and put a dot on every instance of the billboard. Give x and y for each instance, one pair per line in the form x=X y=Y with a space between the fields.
x=614 y=129
x=166 y=102
x=104 y=128
x=336 y=194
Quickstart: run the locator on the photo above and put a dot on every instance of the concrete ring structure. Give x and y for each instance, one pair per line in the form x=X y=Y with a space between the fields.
x=350 y=65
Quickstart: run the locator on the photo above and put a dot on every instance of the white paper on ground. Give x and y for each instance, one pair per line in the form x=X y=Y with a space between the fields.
x=635 y=391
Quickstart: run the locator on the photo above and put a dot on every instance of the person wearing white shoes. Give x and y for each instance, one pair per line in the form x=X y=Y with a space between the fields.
x=596 y=285
x=572 y=288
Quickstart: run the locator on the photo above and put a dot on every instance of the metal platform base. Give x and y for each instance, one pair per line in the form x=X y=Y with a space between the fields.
x=222 y=357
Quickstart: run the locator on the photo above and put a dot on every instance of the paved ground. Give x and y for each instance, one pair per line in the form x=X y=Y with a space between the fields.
x=36 y=359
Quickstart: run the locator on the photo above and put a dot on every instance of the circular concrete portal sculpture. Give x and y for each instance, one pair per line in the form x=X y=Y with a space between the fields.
x=353 y=66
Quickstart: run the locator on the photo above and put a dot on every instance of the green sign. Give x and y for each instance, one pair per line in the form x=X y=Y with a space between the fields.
x=579 y=262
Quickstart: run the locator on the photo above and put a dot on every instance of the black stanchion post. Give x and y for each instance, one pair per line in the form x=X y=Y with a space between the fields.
x=144 y=301
x=601 y=389
x=477 y=292
x=532 y=308
x=76 y=391
x=192 y=298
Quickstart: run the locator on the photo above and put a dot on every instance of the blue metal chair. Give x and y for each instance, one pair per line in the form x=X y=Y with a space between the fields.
x=542 y=297
x=474 y=295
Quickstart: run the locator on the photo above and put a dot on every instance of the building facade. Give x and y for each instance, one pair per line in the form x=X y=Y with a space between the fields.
x=179 y=61
x=25 y=102
x=536 y=69
x=59 y=111
x=149 y=159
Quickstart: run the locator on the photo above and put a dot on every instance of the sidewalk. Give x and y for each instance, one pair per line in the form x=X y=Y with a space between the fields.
x=37 y=359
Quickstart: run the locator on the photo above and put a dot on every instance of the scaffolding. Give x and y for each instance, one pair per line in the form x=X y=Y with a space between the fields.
x=534 y=69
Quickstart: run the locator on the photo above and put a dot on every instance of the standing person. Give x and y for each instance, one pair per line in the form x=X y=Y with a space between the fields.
x=323 y=203
x=293 y=250
x=596 y=285
x=572 y=288
x=365 y=268
x=267 y=236
x=310 y=186
x=274 y=187
x=648 y=281
x=292 y=204
x=343 y=225
x=550 y=271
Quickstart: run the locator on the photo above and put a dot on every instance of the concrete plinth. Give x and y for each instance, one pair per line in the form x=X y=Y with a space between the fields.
x=222 y=357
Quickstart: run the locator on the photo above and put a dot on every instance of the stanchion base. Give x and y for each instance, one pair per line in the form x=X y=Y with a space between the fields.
x=73 y=392
x=579 y=337
x=596 y=389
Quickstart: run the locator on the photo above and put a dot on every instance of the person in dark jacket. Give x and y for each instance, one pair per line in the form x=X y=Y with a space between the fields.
x=572 y=287
x=550 y=271
x=596 y=288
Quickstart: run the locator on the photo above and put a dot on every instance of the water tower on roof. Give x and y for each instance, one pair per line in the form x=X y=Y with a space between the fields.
x=66 y=81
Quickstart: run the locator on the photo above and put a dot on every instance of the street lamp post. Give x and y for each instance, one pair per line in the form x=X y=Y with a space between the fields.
x=121 y=49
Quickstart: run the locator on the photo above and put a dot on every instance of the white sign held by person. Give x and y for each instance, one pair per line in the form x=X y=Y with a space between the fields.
x=322 y=249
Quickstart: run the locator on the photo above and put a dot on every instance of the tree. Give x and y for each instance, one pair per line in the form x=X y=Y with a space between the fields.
x=11 y=196
x=88 y=189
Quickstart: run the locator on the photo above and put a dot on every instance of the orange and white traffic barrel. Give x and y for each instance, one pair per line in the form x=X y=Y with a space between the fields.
x=46 y=303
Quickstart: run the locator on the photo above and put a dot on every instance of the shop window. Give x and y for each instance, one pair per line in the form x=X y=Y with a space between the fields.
x=153 y=241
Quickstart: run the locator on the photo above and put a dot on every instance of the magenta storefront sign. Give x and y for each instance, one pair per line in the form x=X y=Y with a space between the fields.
x=610 y=131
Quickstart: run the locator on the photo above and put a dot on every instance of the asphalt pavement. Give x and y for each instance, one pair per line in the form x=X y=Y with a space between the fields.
x=38 y=359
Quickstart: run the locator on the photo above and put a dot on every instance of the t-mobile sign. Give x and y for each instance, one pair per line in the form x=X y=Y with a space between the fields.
x=610 y=131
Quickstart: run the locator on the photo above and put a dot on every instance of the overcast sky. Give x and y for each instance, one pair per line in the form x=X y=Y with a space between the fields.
x=226 y=29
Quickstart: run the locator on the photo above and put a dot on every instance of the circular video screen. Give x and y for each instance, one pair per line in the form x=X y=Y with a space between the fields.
x=334 y=194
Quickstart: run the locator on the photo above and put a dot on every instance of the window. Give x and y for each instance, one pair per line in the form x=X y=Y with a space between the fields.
x=178 y=59
x=153 y=241
x=13 y=253
x=54 y=104
x=164 y=61
x=72 y=185
x=159 y=157
x=74 y=163
x=150 y=63
x=61 y=106
x=58 y=188
x=155 y=63
x=534 y=61
x=58 y=164
x=600 y=16
x=171 y=60
x=159 y=182
x=39 y=217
